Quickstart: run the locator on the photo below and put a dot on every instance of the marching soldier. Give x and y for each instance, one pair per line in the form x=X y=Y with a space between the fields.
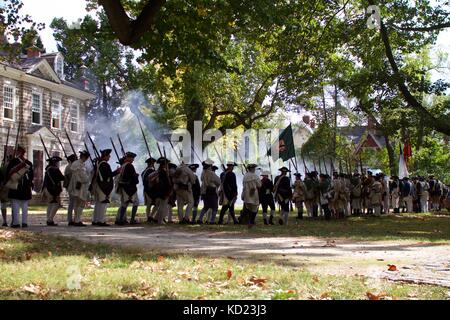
x=210 y=184
x=103 y=185
x=283 y=194
x=79 y=186
x=251 y=184
x=4 y=191
x=149 y=194
x=162 y=184
x=52 y=188
x=340 y=197
x=20 y=185
x=311 y=194
x=184 y=179
x=386 y=202
x=422 y=192
x=195 y=192
x=299 y=194
x=67 y=177
x=376 y=195
x=356 y=194
x=325 y=194
x=266 y=197
x=407 y=192
x=394 y=189
x=436 y=191
x=128 y=180
x=230 y=192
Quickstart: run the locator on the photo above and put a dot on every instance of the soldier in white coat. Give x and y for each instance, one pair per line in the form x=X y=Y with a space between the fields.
x=184 y=179
x=79 y=186
x=67 y=177
x=250 y=196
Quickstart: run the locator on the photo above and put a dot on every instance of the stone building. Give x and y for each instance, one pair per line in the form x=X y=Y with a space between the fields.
x=35 y=94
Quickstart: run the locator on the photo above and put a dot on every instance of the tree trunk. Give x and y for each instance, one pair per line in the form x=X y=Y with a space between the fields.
x=391 y=154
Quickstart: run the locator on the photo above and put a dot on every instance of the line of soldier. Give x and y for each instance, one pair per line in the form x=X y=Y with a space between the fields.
x=169 y=186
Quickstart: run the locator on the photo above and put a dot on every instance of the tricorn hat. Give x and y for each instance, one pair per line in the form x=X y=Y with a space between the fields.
x=231 y=164
x=130 y=155
x=194 y=166
x=251 y=166
x=298 y=174
x=72 y=158
x=284 y=169
x=150 y=160
x=105 y=152
x=54 y=159
x=162 y=160
x=208 y=162
x=214 y=168
x=84 y=153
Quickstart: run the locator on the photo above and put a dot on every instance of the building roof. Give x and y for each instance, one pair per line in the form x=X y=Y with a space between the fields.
x=43 y=68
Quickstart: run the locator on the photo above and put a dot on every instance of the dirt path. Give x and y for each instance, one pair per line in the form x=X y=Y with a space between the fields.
x=415 y=261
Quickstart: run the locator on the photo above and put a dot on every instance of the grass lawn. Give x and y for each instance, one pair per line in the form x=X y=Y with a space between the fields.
x=37 y=266
x=427 y=227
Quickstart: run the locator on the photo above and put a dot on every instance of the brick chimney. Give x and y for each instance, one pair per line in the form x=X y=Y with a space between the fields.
x=84 y=80
x=33 y=52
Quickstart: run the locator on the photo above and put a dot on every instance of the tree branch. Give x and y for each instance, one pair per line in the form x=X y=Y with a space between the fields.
x=127 y=30
x=438 y=124
x=424 y=29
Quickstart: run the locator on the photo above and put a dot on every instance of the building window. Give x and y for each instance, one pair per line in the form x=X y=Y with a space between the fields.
x=8 y=102
x=74 y=117
x=36 y=108
x=59 y=67
x=56 y=114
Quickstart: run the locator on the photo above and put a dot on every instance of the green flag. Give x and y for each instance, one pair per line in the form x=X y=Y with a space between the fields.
x=284 y=146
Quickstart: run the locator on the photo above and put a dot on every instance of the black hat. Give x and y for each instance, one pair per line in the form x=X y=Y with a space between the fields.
x=214 y=168
x=105 y=152
x=231 y=164
x=84 y=153
x=314 y=173
x=130 y=155
x=54 y=159
x=162 y=160
x=251 y=166
x=72 y=158
x=172 y=166
x=284 y=169
x=298 y=175
x=323 y=175
x=150 y=160
x=394 y=177
x=194 y=166
x=121 y=161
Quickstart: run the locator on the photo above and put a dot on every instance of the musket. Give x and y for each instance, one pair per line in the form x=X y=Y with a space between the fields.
x=145 y=139
x=332 y=165
x=242 y=160
x=60 y=143
x=304 y=164
x=314 y=163
x=173 y=148
x=220 y=158
x=159 y=149
x=195 y=153
x=17 y=139
x=45 y=148
x=70 y=142
x=114 y=148
x=121 y=145
x=97 y=154
x=90 y=157
x=320 y=166
x=5 y=152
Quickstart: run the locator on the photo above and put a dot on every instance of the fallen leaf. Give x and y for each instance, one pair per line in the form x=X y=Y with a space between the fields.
x=256 y=281
x=160 y=258
x=229 y=274
x=372 y=296
x=392 y=267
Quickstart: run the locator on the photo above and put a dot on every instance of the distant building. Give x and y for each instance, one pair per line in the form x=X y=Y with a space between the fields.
x=364 y=137
x=35 y=93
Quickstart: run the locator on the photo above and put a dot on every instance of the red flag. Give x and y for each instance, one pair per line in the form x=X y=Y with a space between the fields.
x=407 y=151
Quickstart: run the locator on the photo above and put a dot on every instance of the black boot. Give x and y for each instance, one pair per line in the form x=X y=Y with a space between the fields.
x=265 y=222
x=271 y=221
